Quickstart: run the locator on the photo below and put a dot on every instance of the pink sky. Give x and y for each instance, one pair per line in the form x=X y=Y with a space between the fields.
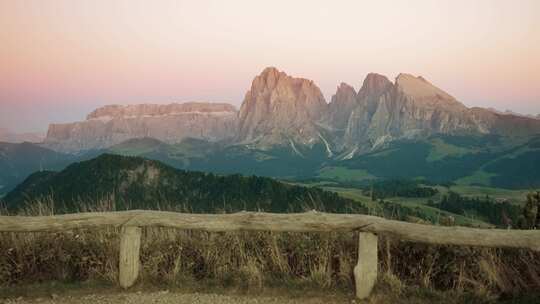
x=61 y=59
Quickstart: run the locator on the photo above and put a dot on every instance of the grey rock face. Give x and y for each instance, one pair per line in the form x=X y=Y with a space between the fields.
x=279 y=108
x=171 y=123
x=369 y=99
x=340 y=107
x=410 y=107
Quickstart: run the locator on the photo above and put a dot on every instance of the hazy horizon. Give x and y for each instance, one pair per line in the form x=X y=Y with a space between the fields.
x=62 y=59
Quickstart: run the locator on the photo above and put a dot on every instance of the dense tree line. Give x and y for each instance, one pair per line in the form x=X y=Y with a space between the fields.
x=502 y=213
x=398 y=187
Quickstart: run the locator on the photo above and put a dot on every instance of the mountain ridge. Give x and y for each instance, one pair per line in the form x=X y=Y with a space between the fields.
x=113 y=124
x=282 y=110
x=9 y=136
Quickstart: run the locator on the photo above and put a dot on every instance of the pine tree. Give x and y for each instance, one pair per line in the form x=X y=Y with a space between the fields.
x=531 y=212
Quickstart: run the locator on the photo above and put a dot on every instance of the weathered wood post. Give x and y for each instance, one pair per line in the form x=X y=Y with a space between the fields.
x=130 y=245
x=365 y=272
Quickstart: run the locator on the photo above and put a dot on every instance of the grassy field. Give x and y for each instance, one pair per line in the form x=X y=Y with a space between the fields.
x=441 y=149
x=514 y=196
x=344 y=174
x=479 y=177
x=517 y=197
x=411 y=202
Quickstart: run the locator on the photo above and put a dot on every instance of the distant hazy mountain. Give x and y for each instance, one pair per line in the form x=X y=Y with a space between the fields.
x=510 y=112
x=17 y=161
x=282 y=111
x=9 y=136
x=171 y=123
x=135 y=182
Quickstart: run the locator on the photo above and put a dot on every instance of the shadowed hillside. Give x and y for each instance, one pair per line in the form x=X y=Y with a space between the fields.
x=19 y=160
x=134 y=182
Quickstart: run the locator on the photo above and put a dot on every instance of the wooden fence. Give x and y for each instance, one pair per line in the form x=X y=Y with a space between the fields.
x=368 y=227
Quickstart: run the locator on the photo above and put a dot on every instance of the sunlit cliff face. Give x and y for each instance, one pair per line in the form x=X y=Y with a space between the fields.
x=60 y=60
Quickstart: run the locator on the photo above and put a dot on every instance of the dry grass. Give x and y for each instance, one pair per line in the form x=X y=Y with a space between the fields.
x=256 y=261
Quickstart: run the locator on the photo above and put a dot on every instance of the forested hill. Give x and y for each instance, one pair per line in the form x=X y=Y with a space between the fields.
x=134 y=182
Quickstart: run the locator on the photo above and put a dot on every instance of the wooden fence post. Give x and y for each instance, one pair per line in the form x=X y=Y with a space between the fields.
x=365 y=272
x=130 y=244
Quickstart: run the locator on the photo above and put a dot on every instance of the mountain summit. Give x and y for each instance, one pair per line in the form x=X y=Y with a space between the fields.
x=409 y=107
x=279 y=108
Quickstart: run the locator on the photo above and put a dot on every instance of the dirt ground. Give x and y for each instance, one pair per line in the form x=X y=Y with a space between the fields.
x=166 y=297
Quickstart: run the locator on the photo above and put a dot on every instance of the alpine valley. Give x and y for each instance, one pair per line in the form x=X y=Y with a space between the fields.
x=405 y=129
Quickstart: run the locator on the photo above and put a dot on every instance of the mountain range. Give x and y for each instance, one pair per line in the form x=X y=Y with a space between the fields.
x=9 y=136
x=281 y=110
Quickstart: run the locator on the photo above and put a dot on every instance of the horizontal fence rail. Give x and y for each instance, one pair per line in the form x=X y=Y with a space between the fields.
x=368 y=227
x=291 y=222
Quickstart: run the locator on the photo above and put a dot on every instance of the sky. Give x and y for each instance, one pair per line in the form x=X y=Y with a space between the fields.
x=61 y=59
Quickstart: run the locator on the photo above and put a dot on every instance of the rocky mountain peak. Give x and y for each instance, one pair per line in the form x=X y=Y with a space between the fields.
x=278 y=107
x=374 y=84
x=344 y=93
x=284 y=87
x=341 y=105
x=419 y=87
x=268 y=78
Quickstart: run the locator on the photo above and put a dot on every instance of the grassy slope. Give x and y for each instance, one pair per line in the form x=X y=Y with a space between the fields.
x=411 y=202
x=345 y=174
x=514 y=196
x=442 y=149
x=491 y=161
